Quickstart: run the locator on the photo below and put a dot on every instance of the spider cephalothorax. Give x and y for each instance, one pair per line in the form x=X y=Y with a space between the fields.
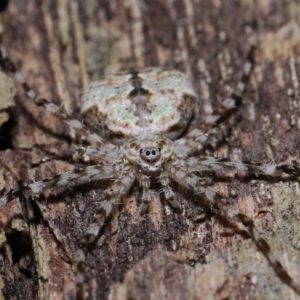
x=149 y=152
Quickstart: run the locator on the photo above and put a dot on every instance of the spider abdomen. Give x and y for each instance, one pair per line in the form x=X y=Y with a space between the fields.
x=152 y=101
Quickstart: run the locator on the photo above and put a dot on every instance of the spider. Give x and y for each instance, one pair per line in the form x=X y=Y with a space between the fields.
x=137 y=123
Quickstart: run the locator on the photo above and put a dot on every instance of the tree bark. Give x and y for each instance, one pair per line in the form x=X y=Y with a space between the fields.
x=61 y=45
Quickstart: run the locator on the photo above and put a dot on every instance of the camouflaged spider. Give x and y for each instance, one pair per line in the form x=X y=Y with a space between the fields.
x=139 y=119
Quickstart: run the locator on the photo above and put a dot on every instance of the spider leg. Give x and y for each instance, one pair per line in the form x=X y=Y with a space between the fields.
x=80 y=286
x=108 y=208
x=190 y=143
x=230 y=213
x=71 y=128
x=113 y=197
x=169 y=194
x=81 y=153
x=220 y=117
x=231 y=104
x=144 y=181
x=244 y=169
x=64 y=181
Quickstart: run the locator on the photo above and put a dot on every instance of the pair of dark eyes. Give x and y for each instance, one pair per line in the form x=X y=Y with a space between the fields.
x=148 y=152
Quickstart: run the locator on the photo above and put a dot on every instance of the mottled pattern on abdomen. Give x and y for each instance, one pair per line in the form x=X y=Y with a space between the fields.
x=152 y=101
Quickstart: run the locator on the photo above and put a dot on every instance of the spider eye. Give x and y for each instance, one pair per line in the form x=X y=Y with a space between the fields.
x=147 y=152
x=141 y=151
x=153 y=152
x=158 y=149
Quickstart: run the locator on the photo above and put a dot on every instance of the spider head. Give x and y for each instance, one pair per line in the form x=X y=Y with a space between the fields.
x=148 y=152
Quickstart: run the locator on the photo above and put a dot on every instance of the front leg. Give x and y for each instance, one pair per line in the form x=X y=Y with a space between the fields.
x=231 y=214
x=113 y=198
x=244 y=169
x=81 y=153
x=144 y=182
x=219 y=121
x=108 y=208
x=168 y=192
x=63 y=182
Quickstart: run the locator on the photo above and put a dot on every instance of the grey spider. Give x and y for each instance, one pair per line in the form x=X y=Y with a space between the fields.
x=138 y=119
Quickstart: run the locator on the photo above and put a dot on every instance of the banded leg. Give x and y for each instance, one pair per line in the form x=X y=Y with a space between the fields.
x=169 y=194
x=190 y=143
x=72 y=129
x=63 y=182
x=230 y=213
x=81 y=292
x=144 y=181
x=220 y=117
x=80 y=153
x=113 y=198
x=244 y=169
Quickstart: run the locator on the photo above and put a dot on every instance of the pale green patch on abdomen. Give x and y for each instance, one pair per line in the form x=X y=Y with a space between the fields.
x=153 y=101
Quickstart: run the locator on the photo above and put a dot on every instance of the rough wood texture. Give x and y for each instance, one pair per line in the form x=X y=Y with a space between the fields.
x=59 y=46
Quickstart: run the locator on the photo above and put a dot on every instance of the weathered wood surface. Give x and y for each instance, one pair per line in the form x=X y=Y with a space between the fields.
x=59 y=46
